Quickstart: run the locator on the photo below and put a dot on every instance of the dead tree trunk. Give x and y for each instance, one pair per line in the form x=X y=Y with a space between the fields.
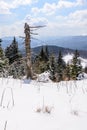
x=28 y=33
x=28 y=51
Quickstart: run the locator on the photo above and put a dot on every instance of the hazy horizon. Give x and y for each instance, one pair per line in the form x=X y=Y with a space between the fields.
x=72 y=42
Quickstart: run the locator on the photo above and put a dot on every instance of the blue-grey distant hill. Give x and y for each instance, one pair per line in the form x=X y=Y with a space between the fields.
x=65 y=44
x=72 y=42
x=55 y=50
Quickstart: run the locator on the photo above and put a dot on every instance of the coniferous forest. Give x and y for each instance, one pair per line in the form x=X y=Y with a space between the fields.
x=13 y=63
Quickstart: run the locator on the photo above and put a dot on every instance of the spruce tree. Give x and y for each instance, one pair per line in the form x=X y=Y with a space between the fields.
x=1 y=52
x=67 y=72
x=52 y=68
x=12 y=52
x=60 y=67
x=42 y=54
x=47 y=52
x=76 y=67
x=0 y=40
x=3 y=63
x=41 y=63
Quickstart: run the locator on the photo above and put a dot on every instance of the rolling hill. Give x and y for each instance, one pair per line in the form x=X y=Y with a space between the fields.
x=72 y=42
x=55 y=49
x=55 y=44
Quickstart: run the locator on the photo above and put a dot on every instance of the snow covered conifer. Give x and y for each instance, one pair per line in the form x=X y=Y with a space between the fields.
x=52 y=68
x=12 y=52
x=60 y=67
x=1 y=52
x=76 y=67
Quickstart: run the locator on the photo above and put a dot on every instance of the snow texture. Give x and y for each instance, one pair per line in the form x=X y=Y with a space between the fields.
x=37 y=105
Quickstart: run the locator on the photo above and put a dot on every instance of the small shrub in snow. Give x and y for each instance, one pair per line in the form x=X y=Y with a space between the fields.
x=75 y=112
x=38 y=110
x=46 y=109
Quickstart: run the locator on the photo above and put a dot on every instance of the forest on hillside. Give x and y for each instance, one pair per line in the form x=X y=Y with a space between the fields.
x=12 y=63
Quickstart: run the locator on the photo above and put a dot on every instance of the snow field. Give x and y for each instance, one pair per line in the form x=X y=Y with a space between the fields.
x=19 y=101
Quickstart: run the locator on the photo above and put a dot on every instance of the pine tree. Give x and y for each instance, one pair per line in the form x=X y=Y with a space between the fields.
x=52 y=68
x=41 y=63
x=47 y=52
x=12 y=52
x=60 y=67
x=1 y=52
x=76 y=67
x=42 y=54
x=0 y=40
x=17 y=69
x=3 y=63
x=67 y=72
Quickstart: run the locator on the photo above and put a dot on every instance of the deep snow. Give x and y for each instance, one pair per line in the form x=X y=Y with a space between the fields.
x=68 y=58
x=20 y=100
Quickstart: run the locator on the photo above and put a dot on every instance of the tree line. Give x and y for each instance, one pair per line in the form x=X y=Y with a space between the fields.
x=13 y=63
x=57 y=67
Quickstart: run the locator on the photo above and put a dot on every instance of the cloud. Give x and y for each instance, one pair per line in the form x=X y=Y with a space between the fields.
x=35 y=10
x=68 y=4
x=73 y=24
x=35 y=21
x=17 y=3
x=6 y=5
x=4 y=8
x=75 y=19
x=79 y=15
x=65 y=4
x=17 y=28
x=81 y=2
x=50 y=9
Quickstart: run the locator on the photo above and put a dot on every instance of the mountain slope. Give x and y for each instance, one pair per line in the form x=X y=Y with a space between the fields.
x=72 y=42
x=54 y=45
x=55 y=50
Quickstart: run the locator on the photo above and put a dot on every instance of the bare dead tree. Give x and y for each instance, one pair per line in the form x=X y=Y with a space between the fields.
x=28 y=32
x=28 y=51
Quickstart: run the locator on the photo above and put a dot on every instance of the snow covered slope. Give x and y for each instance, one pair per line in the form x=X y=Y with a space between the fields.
x=68 y=58
x=43 y=106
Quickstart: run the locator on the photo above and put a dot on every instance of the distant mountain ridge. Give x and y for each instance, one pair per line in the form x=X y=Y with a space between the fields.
x=72 y=42
x=55 y=50
x=65 y=44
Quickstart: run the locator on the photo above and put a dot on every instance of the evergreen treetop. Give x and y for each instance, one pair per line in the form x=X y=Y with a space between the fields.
x=76 y=67
x=1 y=52
x=12 y=52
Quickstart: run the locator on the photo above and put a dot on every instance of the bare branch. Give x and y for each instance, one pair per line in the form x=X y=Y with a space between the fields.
x=34 y=33
x=21 y=37
x=37 y=26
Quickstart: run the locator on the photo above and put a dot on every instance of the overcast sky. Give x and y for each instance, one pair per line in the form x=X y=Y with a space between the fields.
x=61 y=17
